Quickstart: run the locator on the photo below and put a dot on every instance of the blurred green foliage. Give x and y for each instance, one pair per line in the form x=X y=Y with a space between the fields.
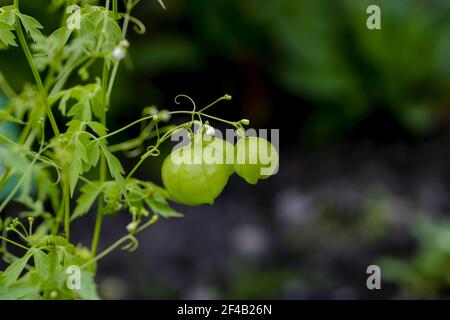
x=427 y=273
x=317 y=53
x=322 y=53
x=348 y=71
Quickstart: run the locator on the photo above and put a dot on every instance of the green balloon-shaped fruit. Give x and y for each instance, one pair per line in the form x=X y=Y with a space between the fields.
x=255 y=159
x=191 y=177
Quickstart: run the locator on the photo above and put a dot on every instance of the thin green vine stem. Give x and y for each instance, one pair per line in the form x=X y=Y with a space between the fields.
x=66 y=207
x=124 y=33
x=231 y=123
x=58 y=219
x=146 y=155
x=145 y=119
x=120 y=241
x=14 y=243
x=5 y=176
x=136 y=142
x=99 y=216
x=35 y=72
x=105 y=102
x=225 y=97
x=114 y=8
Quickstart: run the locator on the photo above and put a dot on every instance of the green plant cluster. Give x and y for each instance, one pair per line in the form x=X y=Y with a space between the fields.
x=60 y=172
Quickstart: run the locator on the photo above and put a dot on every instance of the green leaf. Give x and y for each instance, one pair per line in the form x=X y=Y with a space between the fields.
x=6 y=116
x=81 y=110
x=75 y=170
x=113 y=32
x=31 y=26
x=88 y=289
x=6 y=36
x=17 y=291
x=7 y=14
x=81 y=150
x=42 y=263
x=115 y=168
x=74 y=125
x=63 y=102
x=12 y=273
x=89 y=193
x=49 y=240
x=159 y=205
x=111 y=195
x=97 y=101
x=93 y=152
x=98 y=128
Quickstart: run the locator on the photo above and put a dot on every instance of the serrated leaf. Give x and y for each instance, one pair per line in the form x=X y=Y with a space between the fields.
x=74 y=125
x=75 y=170
x=81 y=110
x=97 y=101
x=6 y=36
x=12 y=273
x=93 y=152
x=98 y=128
x=81 y=150
x=63 y=102
x=159 y=205
x=31 y=26
x=115 y=167
x=89 y=193
x=42 y=263
x=113 y=32
x=58 y=39
x=8 y=15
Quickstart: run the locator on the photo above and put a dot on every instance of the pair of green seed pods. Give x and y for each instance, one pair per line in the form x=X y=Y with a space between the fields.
x=197 y=173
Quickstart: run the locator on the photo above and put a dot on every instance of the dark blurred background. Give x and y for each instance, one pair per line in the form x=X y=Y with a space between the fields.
x=364 y=119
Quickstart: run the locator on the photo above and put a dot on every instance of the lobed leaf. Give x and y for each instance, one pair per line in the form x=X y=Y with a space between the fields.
x=6 y=36
x=115 y=168
x=159 y=205
x=89 y=193
x=31 y=26
x=98 y=128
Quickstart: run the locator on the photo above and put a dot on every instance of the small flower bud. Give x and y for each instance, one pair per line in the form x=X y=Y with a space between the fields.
x=209 y=130
x=245 y=122
x=164 y=115
x=119 y=53
x=152 y=110
x=132 y=226
x=54 y=294
x=143 y=212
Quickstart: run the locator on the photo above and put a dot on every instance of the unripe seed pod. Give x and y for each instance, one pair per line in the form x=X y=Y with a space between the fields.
x=255 y=159
x=192 y=177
